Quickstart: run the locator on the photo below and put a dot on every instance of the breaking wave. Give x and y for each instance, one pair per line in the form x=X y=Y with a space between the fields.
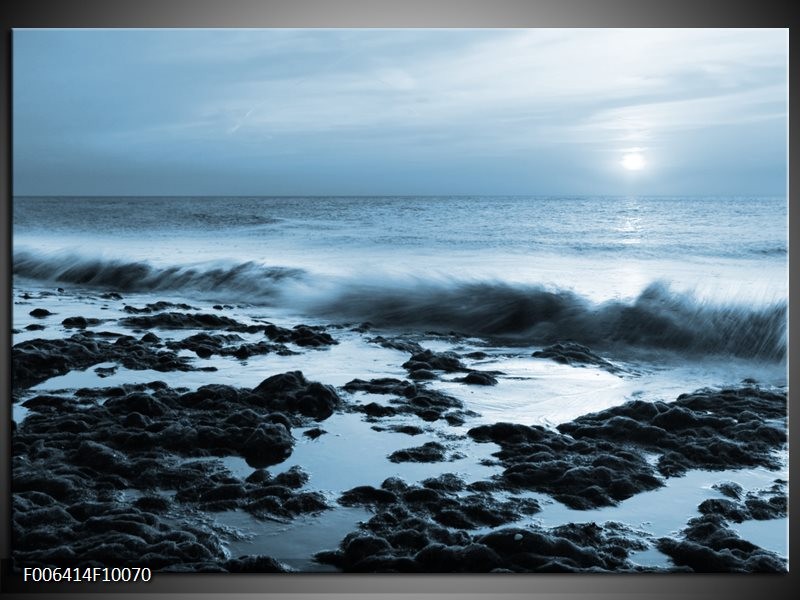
x=658 y=318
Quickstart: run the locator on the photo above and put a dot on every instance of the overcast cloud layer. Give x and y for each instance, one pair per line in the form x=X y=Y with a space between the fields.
x=341 y=112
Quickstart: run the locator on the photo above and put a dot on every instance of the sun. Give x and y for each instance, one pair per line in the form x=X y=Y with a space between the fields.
x=633 y=161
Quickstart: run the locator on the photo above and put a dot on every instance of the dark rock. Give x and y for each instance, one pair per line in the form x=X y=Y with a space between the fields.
x=422 y=374
x=40 y=313
x=398 y=344
x=153 y=504
x=373 y=409
x=307 y=502
x=268 y=444
x=709 y=546
x=439 y=361
x=101 y=458
x=366 y=495
x=37 y=360
x=478 y=378
x=206 y=345
x=259 y=476
x=446 y=482
x=176 y=320
x=159 y=306
x=105 y=371
x=293 y=478
x=569 y=353
x=291 y=392
x=579 y=474
x=384 y=385
x=302 y=335
x=407 y=429
x=770 y=503
x=706 y=430
x=430 y=452
x=138 y=402
x=729 y=489
x=79 y=322
x=361 y=547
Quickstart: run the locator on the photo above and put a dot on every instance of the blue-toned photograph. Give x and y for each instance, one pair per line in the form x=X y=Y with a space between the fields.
x=399 y=300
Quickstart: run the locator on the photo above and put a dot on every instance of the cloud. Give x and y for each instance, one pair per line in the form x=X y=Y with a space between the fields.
x=245 y=96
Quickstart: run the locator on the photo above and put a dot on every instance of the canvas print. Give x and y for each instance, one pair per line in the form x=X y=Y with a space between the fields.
x=399 y=300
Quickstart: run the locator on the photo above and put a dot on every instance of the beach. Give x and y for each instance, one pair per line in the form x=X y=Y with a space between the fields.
x=400 y=384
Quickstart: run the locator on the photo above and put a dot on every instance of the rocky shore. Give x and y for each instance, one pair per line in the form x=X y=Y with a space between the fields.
x=132 y=474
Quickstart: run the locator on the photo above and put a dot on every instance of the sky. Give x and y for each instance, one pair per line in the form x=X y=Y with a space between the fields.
x=400 y=112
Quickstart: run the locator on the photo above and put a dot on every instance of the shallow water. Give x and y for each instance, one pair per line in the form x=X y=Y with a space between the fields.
x=294 y=542
x=352 y=453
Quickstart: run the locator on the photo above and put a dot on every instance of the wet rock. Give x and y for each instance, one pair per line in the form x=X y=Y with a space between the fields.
x=314 y=433
x=729 y=489
x=430 y=452
x=291 y=392
x=80 y=322
x=375 y=410
x=707 y=545
x=422 y=374
x=138 y=402
x=384 y=385
x=366 y=495
x=447 y=482
x=302 y=335
x=429 y=405
x=60 y=487
x=176 y=320
x=577 y=473
x=105 y=371
x=570 y=353
x=205 y=345
x=708 y=429
x=101 y=458
x=306 y=502
x=770 y=503
x=159 y=306
x=478 y=378
x=40 y=313
x=259 y=476
x=398 y=344
x=360 y=547
x=293 y=478
x=268 y=444
x=407 y=429
x=725 y=508
x=153 y=504
x=47 y=401
x=395 y=541
x=36 y=360
x=438 y=361
x=34 y=327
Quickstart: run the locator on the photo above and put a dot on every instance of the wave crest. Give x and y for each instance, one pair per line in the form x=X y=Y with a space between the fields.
x=658 y=318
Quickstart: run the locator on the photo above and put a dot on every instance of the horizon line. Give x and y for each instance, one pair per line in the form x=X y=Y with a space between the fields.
x=539 y=195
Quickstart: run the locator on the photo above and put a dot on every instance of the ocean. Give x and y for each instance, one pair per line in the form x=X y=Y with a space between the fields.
x=534 y=268
x=679 y=293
